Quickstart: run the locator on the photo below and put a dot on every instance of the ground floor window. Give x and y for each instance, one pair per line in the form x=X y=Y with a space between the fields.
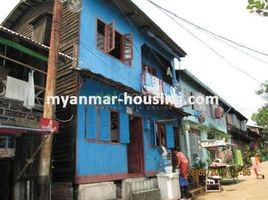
x=114 y=126
x=161 y=135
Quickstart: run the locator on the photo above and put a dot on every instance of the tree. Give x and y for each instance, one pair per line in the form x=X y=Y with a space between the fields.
x=263 y=91
x=261 y=117
x=258 y=6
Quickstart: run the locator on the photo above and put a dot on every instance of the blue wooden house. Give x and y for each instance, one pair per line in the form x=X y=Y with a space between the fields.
x=119 y=47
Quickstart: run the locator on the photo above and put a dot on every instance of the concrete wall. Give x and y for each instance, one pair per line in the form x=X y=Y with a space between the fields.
x=97 y=191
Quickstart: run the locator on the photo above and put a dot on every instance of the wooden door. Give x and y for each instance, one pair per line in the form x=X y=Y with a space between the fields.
x=135 y=147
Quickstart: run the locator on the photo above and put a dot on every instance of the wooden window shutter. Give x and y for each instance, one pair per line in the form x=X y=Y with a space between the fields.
x=127 y=47
x=170 y=136
x=91 y=122
x=124 y=128
x=110 y=34
x=104 y=125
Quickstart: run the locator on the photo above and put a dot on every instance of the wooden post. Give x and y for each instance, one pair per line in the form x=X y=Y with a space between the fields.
x=44 y=171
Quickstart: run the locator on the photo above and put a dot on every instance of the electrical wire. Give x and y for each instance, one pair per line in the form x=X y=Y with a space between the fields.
x=242 y=51
x=199 y=27
x=210 y=48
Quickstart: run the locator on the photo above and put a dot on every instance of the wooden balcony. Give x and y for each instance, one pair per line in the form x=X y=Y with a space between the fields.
x=18 y=57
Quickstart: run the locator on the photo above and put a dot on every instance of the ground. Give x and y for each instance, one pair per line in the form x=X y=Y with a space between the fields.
x=247 y=188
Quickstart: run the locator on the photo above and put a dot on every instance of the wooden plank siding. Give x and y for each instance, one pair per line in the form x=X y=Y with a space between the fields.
x=67 y=82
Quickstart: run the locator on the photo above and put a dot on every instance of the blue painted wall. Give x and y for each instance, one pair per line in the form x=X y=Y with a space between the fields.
x=95 y=156
x=114 y=156
x=95 y=60
x=219 y=124
x=153 y=159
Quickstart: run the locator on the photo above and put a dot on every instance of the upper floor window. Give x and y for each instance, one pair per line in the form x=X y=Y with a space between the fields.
x=114 y=43
x=42 y=29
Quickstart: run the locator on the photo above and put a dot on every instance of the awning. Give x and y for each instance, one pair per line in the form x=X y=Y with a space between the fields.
x=17 y=130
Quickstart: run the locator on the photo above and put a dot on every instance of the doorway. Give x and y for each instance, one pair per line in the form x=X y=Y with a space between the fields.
x=6 y=179
x=177 y=146
x=135 y=147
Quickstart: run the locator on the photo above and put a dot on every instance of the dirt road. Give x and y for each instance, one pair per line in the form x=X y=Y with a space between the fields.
x=247 y=188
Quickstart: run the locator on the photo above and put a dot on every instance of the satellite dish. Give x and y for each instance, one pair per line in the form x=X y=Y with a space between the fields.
x=74 y=5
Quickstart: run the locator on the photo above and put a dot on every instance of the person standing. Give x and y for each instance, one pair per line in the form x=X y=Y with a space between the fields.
x=256 y=160
x=183 y=166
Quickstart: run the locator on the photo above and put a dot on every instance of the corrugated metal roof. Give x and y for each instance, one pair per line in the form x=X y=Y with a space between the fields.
x=29 y=40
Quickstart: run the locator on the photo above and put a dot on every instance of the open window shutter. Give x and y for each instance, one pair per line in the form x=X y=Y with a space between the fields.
x=127 y=47
x=110 y=37
x=170 y=136
x=91 y=122
x=124 y=128
x=104 y=125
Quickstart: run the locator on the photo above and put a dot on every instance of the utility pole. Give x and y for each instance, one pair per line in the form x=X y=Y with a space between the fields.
x=44 y=171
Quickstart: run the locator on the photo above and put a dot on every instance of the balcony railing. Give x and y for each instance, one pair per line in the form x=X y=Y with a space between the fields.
x=154 y=86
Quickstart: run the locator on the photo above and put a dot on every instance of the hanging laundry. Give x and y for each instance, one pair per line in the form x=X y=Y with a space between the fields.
x=30 y=92
x=15 y=88
x=169 y=72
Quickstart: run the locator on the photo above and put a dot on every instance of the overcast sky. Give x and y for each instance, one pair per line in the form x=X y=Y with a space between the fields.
x=228 y=18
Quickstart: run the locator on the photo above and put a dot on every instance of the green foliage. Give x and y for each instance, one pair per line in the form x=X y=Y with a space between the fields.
x=258 y=6
x=263 y=91
x=261 y=117
x=247 y=154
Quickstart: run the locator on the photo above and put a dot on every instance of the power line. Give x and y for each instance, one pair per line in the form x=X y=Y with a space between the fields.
x=204 y=43
x=199 y=27
x=236 y=48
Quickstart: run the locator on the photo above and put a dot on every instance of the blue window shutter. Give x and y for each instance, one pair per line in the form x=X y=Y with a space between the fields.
x=91 y=122
x=170 y=136
x=105 y=125
x=124 y=128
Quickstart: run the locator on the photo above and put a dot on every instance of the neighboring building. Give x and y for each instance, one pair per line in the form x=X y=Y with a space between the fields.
x=207 y=121
x=256 y=138
x=236 y=125
x=19 y=113
x=32 y=19
x=119 y=49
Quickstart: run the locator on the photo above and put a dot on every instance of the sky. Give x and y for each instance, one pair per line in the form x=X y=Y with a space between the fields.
x=228 y=18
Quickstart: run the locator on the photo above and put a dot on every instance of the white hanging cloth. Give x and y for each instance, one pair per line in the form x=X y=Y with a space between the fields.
x=30 y=92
